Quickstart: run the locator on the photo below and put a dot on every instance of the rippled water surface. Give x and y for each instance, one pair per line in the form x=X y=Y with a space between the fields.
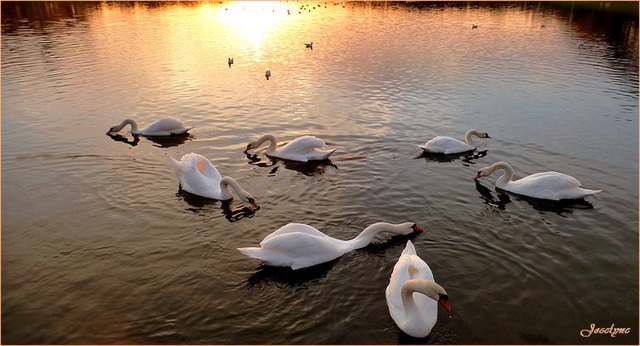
x=100 y=246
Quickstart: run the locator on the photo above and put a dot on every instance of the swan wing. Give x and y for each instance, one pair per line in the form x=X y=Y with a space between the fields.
x=446 y=145
x=165 y=126
x=199 y=176
x=298 y=250
x=302 y=145
x=549 y=185
x=293 y=228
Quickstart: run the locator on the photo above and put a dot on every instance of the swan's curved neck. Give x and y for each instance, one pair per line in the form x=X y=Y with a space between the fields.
x=426 y=287
x=468 y=139
x=271 y=139
x=230 y=182
x=506 y=177
x=366 y=236
x=125 y=122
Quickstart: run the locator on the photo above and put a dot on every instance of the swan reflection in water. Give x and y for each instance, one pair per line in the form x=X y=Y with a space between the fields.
x=310 y=168
x=160 y=142
x=201 y=204
x=467 y=157
x=289 y=277
x=503 y=198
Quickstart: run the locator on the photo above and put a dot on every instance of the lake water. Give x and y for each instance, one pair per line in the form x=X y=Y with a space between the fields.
x=100 y=246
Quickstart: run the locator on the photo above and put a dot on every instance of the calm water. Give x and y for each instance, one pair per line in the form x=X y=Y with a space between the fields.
x=99 y=245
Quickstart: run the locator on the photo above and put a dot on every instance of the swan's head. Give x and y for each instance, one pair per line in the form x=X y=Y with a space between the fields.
x=430 y=289
x=247 y=198
x=441 y=297
x=483 y=172
x=408 y=228
x=250 y=146
x=482 y=134
x=486 y=171
x=116 y=128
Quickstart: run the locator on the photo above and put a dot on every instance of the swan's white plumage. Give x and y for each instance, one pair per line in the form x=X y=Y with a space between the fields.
x=545 y=185
x=448 y=145
x=198 y=176
x=165 y=127
x=411 y=267
x=299 y=246
x=304 y=148
x=162 y=127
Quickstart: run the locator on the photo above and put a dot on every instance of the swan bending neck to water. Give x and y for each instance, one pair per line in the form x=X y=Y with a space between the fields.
x=162 y=127
x=198 y=176
x=304 y=149
x=299 y=246
x=415 y=314
x=545 y=185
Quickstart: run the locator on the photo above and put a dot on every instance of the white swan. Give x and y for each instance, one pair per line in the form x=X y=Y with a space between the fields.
x=299 y=246
x=415 y=314
x=198 y=176
x=162 y=127
x=546 y=185
x=305 y=148
x=448 y=145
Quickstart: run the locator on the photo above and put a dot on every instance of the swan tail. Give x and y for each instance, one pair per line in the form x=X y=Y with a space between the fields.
x=182 y=131
x=588 y=192
x=251 y=251
x=431 y=149
x=324 y=154
x=410 y=249
x=177 y=168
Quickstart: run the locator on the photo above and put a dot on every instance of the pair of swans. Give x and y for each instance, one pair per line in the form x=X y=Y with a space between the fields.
x=198 y=176
x=298 y=246
x=304 y=149
x=553 y=186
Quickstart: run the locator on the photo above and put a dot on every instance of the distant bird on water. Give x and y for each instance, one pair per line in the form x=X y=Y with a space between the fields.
x=581 y=44
x=541 y=25
x=230 y=61
x=309 y=45
x=474 y=26
x=267 y=74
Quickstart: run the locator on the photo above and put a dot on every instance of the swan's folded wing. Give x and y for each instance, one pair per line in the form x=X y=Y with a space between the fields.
x=553 y=179
x=300 y=244
x=303 y=145
x=165 y=125
x=202 y=165
x=293 y=228
x=448 y=145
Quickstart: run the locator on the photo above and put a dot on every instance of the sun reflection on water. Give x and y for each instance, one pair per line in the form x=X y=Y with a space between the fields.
x=249 y=21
